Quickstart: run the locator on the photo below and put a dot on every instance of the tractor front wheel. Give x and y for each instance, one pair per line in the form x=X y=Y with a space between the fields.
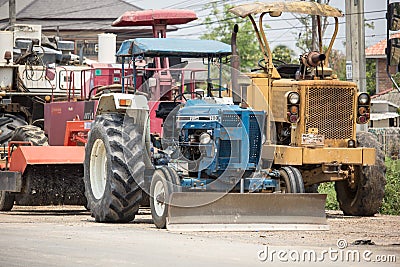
x=165 y=181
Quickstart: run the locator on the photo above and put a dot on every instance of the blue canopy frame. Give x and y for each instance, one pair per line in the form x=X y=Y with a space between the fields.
x=164 y=47
x=174 y=47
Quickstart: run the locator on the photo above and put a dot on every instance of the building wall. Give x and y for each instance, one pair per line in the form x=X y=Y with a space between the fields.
x=379 y=107
x=381 y=124
x=382 y=80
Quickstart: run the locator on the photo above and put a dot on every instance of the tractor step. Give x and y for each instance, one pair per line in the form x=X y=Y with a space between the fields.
x=205 y=211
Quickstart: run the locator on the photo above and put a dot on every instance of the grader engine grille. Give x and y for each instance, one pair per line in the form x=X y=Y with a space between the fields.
x=330 y=111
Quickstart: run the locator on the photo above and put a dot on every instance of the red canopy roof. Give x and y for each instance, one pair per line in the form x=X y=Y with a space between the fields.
x=151 y=17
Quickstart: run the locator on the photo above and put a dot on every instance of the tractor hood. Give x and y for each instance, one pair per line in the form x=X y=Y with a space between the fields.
x=201 y=110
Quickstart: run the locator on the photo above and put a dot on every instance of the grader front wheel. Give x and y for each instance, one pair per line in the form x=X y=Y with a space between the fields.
x=364 y=198
x=291 y=180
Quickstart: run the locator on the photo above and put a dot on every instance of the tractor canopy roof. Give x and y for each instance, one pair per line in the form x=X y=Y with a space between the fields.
x=302 y=7
x=154 y=17
x=160 y=47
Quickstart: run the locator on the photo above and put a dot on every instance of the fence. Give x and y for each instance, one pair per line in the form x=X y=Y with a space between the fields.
x=389 y=138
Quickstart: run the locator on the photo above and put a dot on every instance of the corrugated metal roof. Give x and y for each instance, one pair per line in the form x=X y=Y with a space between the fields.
x=19 y=5
x=75 y=9
x=69 y=14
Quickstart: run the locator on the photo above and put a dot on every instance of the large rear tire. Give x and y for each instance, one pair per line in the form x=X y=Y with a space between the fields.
x=8 y=124
x=35 y=135
x=111 y=183
x=30 y=133
x=6 y=201
x=165 y=181
x=364 y=198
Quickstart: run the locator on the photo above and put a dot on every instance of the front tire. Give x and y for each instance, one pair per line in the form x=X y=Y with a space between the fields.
x=165 y=181
x=111 y=184
x=291 y=180
x=364 y=198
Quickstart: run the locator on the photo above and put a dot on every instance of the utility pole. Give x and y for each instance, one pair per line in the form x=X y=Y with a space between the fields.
x=12 y=13
x=314 y=32
x=355 y=45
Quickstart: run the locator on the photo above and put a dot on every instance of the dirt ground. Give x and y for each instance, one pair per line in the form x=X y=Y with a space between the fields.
x=382 y=230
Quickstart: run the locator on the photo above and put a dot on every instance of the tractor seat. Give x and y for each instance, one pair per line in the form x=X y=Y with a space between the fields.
x=164 y=108
x=288 y=70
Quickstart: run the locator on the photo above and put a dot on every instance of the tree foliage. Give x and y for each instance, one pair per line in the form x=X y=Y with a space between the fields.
x=284 y=53
x=337 y=61
x=219 y=25
x=371 y=75
x=391 y=200
x=307 y=40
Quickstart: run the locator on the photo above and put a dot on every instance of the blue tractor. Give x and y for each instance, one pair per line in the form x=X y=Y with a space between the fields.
x=220 y=144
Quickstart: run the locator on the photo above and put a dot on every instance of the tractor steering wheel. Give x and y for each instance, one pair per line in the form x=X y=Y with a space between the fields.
x=182 y=95
x=261 y=62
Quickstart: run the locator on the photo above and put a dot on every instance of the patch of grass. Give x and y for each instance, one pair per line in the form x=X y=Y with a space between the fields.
x=329 y=189
x=391 y=200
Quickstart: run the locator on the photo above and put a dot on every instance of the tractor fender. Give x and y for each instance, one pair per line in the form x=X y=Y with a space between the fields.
x=119 y=102
x=135 y=106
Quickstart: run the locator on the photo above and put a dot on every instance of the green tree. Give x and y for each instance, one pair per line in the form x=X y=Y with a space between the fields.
x=284 y=53
x=304 y=38
x=219 y=25
x=337 y=61
x=371 y=75
x=307 y=39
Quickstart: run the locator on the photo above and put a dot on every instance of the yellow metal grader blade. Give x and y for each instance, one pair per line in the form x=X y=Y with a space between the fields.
x=206 y=211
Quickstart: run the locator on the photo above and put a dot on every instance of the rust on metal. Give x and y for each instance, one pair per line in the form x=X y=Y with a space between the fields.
x=153 y=17
x=302 y=7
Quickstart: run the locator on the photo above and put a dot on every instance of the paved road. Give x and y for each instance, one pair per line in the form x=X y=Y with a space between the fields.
x=70 y=237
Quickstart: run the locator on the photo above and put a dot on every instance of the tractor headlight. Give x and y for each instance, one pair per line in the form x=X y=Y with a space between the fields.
x=205 y=138
x=294 y=98
x=363 y=99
